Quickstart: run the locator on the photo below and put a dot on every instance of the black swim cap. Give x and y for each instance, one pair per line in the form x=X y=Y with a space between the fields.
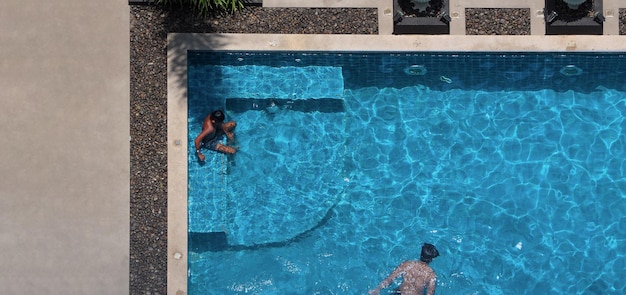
x=218 y=116
x=428 y=253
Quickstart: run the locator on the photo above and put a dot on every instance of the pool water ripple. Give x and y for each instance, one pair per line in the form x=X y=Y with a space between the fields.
x=521 y=191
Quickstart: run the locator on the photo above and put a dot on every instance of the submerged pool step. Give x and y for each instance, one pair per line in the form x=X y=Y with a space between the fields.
x=209 y=241
x=217 y=241
x=261 y=82
x=273 y=105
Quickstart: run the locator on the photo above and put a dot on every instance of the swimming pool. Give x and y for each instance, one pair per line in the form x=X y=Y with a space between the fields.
x=511 y=164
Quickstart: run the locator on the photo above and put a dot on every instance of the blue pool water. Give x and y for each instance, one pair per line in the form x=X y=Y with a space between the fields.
x=512 y=165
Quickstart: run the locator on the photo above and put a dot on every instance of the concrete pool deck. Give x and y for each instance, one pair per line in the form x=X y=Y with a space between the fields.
x=64 y=173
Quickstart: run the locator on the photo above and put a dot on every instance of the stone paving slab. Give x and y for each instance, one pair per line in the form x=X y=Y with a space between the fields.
x=64 y=173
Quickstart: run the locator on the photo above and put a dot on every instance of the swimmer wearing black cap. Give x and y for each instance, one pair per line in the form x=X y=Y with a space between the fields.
x=416 y=275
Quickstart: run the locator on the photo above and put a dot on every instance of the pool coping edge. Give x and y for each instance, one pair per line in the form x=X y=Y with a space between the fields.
x=176 y=168
x=180 y=42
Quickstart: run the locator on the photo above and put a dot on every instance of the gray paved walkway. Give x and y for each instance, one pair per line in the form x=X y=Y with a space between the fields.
x=64 y=165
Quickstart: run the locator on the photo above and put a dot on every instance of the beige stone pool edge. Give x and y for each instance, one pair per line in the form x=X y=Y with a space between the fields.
x=178 y=44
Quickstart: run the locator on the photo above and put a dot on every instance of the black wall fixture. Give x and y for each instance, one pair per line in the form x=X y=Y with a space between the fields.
x=586 y=19
x=432 y=19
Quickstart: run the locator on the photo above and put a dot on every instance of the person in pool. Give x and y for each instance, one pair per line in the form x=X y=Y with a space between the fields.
x=213 y=128
x=416 y=275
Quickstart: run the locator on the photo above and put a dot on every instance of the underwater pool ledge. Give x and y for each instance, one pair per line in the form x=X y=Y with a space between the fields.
x=179 y=44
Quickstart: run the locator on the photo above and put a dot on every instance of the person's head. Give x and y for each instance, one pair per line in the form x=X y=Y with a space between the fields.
x=217 y=116
x=428 y=253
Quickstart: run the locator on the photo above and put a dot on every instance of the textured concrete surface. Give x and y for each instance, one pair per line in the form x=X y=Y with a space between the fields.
x=64 y=165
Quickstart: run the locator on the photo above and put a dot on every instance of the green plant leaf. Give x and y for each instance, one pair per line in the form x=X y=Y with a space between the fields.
x=205 y=6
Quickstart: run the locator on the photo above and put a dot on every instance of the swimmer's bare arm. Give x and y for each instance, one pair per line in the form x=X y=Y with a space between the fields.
x=206 y=130
x=387 y=281
x=432 y=283
x=230 y=136
x=229 y=130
